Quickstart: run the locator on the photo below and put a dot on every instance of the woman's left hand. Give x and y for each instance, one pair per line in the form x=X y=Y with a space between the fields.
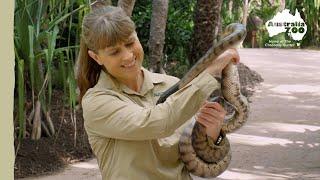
x=211 y=115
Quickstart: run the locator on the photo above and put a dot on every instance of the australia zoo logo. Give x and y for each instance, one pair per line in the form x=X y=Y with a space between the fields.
x=284 y=22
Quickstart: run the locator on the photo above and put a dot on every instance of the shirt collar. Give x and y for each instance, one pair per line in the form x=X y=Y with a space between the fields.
x=107 y=81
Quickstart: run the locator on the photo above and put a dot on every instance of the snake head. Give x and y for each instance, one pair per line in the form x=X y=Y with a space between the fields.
x=218 y=99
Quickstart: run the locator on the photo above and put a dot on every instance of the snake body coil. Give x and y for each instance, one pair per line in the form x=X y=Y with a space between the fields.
x=201 y=157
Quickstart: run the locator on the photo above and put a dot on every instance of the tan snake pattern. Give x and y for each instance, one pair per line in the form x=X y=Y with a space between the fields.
x=200 y=155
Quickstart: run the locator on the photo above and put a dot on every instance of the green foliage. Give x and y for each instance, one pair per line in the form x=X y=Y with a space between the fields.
x=40 y=44
x=178 y=36
x=231 y=12
x=179 y=65
x=264 y=10
x=178 y=32
x=141 y=15
x=262 y=36
x=310 y=13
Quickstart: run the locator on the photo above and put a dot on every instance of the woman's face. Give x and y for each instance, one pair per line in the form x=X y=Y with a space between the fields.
x=123 y=60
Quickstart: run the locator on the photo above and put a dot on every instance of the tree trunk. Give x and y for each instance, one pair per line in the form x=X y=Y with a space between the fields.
x=299 y=6
x=317 y=29
x=206 y=26
x=230 y=8
x=36 y=128
x=157 y=34
x=127 y=6
x=282 y=4
x=216 y=18
x=245 y=9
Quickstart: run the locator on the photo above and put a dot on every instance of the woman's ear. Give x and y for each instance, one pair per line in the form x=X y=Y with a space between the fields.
x=94 y=56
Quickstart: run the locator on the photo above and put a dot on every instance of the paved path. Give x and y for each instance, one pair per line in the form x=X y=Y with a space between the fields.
x=282 y=137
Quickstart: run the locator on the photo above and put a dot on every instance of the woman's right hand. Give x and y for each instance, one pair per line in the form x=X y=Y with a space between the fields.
x=230 y=55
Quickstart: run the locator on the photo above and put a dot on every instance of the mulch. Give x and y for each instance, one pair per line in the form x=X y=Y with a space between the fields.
x=51 y=154
x=249 y=79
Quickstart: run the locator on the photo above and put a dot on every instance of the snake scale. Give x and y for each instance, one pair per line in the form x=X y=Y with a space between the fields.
x=201 y=156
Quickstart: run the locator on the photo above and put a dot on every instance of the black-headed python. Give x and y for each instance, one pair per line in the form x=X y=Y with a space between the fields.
x=201 y=157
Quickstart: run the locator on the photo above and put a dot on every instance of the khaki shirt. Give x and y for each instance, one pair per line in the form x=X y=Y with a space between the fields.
x=131 y=136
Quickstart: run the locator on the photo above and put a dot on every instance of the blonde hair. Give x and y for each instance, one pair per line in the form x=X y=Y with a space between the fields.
x=102 y=27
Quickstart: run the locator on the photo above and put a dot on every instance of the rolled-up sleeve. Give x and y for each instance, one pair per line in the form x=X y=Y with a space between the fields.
x=106 y=114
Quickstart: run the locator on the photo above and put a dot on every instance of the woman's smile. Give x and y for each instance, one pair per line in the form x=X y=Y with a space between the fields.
x=130 y=64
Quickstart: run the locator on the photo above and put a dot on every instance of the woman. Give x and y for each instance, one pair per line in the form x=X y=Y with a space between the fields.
x=131 y=136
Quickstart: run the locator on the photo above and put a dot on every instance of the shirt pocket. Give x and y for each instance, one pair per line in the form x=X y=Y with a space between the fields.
x=167 y=148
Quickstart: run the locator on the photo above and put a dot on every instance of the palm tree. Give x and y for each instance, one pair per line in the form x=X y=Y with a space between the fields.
x=157 y=34
x=206 y=27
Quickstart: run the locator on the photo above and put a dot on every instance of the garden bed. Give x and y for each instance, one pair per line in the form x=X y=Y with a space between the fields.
x=50 y=154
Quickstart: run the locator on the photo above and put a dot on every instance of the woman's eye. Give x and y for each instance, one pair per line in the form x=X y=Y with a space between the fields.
x=129 y=44
x=115 y=52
